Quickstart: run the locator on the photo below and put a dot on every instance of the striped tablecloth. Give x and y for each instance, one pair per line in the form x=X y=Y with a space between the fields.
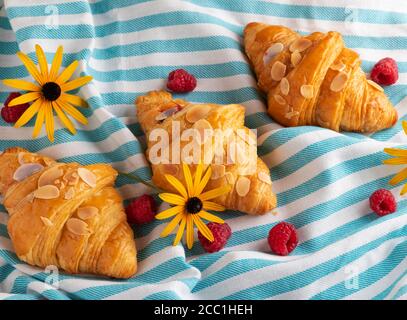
x=323 y=179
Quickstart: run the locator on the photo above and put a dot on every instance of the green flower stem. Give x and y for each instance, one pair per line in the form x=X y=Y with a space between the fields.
x=138 y=179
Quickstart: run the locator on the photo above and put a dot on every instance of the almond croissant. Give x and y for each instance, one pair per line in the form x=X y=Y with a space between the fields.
x=247 y=174
x=66 y=215
x=315 y=80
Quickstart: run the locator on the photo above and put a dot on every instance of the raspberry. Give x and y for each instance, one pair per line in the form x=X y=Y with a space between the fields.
x=221 y=233
x=382 y=202
x=283 y=238
x=385 y=72
x=12 y=114
x=141 y=210
x=181 y=81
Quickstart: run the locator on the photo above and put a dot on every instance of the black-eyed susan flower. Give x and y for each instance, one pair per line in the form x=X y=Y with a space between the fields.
x=400 y=157
x=190 y=205
x=49 y=93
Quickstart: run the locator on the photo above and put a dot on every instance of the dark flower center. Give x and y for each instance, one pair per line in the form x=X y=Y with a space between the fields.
x=51 y=91
x=194 y=205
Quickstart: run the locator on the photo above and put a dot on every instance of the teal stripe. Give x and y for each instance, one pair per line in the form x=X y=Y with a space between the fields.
x=306 y=12
x=306 y=277
x=154 y=275
x=309 y=153
x=4 y=23
x=257 y=7
x=163 y=295
x=368 y=277
x=74 y=7
x=382 y=295
x=400 y=293
x=331 y=175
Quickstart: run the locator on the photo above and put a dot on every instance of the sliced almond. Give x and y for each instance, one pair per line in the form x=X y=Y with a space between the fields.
x=197 y=112
x=47 y=192
x=77 y=226
x=26 y=170
x=242 y=186
x=291 y=114
x=307 y=91
x=284 y=86
x=338 y=83
x=167 y=113
x=69 y=194
x=49 y=176
x=230 y=178
x=272 y=51
x=218 y=171
x=375 y=85
x=47 y=222
x=339 y=66
x=279 y=99
x=300 y=45
x=264 y=177
x=296 y=58
x=278 y=70
x=87 y=176
x=205 y=130
x=87 y=212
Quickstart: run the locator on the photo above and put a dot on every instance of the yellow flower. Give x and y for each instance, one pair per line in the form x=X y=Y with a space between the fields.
x=49 y=94
x=190 y=205
x=400 y=158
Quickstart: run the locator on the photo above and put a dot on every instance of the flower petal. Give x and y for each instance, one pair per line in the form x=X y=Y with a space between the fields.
x=172 y=198
x=21 y=84
x=31 y=68
x=75 y=100
x=214 y=193
x=29 y=113
x=27 y=97
x=49 y=121
x=396 y=152
x=404 y=190
x=79 y=82
x=203 y=228
x=177 y=185
x=42 y=62
x=404 y=125
x=180 y=231
x=209 y=205
x=67 y=73
x=399 y=177
x=190 y=231
x=169 y=212
x=210 y=217
x=204 y=181
x=171 y=226
x=64 y=119
x=39 y=121
x=198 y=176
x=188 y=180
x=72 y=111
x=395 y=161
x=56 y=64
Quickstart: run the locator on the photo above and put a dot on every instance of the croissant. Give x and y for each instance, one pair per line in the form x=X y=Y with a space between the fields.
x=315 y=80
x=248 y=176
x=66 y=215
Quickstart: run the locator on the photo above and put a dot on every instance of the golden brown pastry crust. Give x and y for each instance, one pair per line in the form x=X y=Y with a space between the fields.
x=259 y=199
x=341 y=99
x=81 y=228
